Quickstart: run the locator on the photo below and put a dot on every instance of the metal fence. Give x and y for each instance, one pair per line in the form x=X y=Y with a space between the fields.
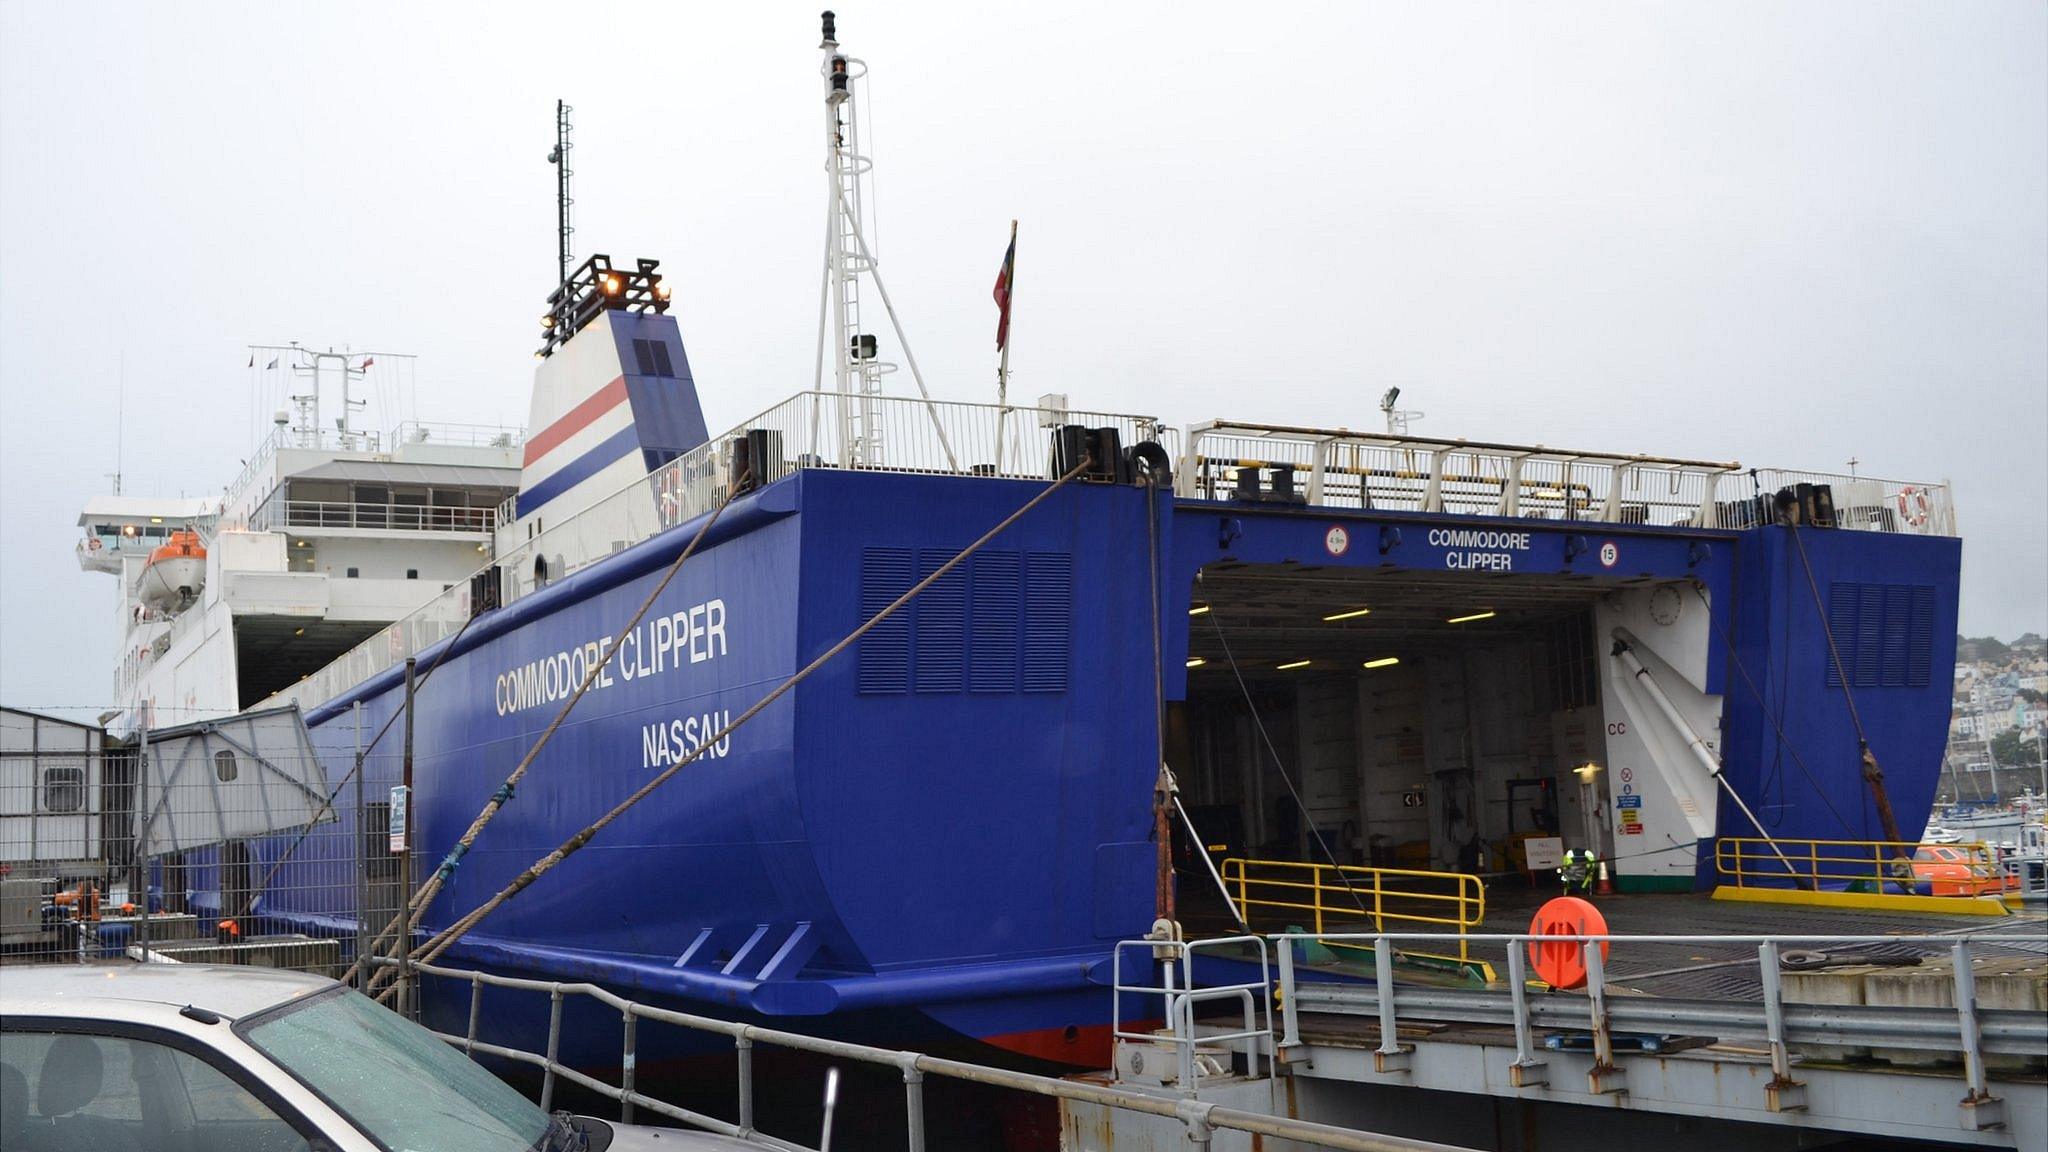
x=1327 y=894
x=1199 y=1119
x=1876 y=866
x=1964 y=1027
x=228 y=842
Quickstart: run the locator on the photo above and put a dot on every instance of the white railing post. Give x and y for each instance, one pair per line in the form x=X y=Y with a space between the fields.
x=1290 y=1016
x=1390 y=1056
x=1511 y=485
x=1527 y=1070
x=1783 y=1093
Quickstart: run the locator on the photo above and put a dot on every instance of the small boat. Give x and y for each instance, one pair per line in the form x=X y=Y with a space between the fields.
x=174 y=574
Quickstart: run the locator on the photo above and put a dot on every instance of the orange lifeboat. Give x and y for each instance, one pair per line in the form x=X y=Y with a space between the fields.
x=174 y=573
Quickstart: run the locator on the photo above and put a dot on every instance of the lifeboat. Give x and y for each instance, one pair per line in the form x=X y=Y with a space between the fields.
x=174 y=573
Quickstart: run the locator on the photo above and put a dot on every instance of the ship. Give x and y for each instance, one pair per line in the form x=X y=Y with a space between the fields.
x=1343 y=646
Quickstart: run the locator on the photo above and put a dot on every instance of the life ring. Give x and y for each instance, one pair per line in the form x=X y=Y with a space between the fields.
x=1915 y=506
x=92 y=543
x=1562 y=963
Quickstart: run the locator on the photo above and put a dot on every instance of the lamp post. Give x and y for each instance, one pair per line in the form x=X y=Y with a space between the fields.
x=1587 y=774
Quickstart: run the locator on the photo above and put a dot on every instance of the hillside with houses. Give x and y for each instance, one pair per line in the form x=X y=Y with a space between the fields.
x=1998 y=730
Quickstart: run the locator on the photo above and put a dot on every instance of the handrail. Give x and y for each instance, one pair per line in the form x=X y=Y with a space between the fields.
x=1199 y=1118
x=1752 y=862
x=801 y=432
x=1964 y=1027
x=1336 y=891
x=1179 y=997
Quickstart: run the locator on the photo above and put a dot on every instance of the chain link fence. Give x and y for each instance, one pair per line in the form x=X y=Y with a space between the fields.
x=228 y=842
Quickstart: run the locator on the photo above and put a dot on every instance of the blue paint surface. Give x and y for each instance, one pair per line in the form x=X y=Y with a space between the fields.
x=947 y=826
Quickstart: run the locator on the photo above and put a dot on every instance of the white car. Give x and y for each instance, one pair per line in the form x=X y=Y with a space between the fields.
x=197 y=1058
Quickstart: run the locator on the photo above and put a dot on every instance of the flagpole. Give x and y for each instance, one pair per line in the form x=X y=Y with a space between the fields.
x=1003 y=367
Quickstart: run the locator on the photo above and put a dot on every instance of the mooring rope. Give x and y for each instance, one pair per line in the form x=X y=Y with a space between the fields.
x=1873 y=772
x=431 y=950
x=402 y=926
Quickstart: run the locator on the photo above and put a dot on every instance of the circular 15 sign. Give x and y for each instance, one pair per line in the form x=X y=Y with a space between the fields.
x=1336 y=540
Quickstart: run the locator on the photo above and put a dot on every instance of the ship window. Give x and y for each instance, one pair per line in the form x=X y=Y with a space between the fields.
x=353 y=573
x=414 y=574
x=224 y=767
x=662 y=365
x=64 y=789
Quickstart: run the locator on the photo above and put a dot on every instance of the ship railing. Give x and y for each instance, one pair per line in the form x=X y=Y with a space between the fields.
x=807 y=431
x=1329 y=894
x=1199 y=1119
x=1339 y=468
x=330 y=439
x=1180 y=996
x=1875 y=504
x=279 y=513
x=460 y=435
x=1965 y=1026
x=1394 y=472
x=1968 y=868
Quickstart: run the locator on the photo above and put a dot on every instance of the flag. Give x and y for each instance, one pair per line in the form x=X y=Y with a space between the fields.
x=368 y=360
x=269 y=366
x=1003 y=294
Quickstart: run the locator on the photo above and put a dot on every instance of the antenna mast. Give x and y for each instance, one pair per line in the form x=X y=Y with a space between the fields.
x=560 y=159
x=857 y=372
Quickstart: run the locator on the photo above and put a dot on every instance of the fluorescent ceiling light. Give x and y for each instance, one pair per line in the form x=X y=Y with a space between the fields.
x=1196 y=661
x=1383 y=662
x=1295 y=664
x=1486 y=615
x=1351 y=615
x=1199 y=610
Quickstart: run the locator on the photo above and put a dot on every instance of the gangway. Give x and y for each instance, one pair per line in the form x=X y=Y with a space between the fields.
x=1959 y=1057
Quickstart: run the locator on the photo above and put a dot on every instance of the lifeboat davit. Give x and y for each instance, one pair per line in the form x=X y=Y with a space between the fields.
x=174 y=573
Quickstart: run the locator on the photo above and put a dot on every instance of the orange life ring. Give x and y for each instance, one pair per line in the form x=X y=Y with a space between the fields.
x=1562 y=963
x=1915 y=506
x=92 y=543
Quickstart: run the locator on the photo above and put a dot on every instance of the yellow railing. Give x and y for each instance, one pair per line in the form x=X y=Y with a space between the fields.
x=1277 y=893
x=1966 y=869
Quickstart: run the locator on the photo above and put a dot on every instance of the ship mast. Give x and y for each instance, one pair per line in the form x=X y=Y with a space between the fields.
x=857 y=368
x=564 y=229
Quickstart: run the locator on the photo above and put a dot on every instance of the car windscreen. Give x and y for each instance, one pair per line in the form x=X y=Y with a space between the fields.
x=393 y=1079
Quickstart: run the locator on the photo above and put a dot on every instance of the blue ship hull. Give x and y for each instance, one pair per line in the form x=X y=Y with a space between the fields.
x=943 y=832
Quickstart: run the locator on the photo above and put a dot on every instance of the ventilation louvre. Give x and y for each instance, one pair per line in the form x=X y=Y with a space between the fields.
x=941 y=659
x=1884 y=634
x=1049 y=620
x=885 y=574
x=998 y=597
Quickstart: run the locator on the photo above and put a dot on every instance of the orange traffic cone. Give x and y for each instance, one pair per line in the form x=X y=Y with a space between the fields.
x=1603 y=886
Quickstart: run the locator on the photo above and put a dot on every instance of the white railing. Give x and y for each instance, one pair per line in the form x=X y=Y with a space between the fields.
x=1393 y=473
x=806 y=431
x=1180 y=997
x=276 y=513
x=331 y=439
x=1873 y=504
x=1200 y=1120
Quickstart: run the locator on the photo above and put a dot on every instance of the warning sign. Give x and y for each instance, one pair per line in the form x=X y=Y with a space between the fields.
x=1631 y=821
x=1629 y=801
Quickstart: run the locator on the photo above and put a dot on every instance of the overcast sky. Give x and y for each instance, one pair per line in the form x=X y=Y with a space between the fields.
x=1785 y=233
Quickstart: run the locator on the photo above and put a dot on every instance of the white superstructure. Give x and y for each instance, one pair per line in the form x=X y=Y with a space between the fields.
x=325 y=537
